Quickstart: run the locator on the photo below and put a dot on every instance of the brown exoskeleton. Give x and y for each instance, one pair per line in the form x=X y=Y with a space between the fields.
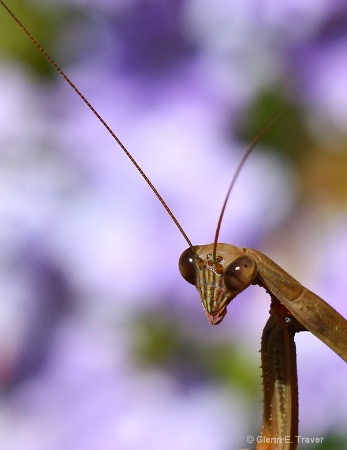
x=220 y=272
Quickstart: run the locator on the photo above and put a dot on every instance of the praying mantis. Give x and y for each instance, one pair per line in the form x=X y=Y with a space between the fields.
x=220 y=272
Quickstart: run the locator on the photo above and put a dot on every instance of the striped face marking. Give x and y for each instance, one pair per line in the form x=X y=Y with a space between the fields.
x=217 y=281
x=210 y=286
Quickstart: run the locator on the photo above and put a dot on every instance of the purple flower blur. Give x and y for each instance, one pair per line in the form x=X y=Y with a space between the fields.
x=87 y=251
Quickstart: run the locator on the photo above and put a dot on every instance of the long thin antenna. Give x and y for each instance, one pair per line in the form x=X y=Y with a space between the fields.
x=108 y=128
x=255 y=141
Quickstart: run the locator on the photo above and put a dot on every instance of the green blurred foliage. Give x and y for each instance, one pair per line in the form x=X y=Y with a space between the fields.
x=320 y=164
x=322 y=178
x=46 y=22
x=330 y=442
x=288 y=136
x=160 y=343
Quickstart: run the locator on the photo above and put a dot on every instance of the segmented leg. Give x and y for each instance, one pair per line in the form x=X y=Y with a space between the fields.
x=280 y=384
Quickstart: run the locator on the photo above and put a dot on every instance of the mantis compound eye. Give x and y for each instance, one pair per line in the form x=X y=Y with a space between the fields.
x=188 y=267
x=239 y=274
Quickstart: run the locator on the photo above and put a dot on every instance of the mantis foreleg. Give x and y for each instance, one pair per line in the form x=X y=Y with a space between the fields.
x=280 y=384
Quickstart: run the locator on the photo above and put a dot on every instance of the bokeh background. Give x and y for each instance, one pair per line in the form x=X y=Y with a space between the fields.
x=102 y=344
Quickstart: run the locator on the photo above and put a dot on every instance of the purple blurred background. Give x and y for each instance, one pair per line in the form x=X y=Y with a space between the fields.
x=103 y=345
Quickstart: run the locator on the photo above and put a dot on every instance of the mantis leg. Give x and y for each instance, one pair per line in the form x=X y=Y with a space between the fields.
x=280 y=384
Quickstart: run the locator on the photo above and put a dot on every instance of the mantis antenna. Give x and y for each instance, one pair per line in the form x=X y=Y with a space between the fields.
x=104 y=123
x=255 y=141
x=129 y=155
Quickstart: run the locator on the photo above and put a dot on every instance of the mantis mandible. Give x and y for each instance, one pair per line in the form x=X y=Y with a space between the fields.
x=220 y=272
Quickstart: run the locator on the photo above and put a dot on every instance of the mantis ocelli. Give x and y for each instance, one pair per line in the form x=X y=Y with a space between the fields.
x=221 y=271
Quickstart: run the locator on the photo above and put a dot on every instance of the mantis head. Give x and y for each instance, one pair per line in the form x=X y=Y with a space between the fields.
x=218 y=280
